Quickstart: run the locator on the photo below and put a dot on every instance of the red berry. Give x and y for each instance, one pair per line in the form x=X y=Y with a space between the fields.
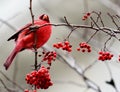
x=100 y=52
x=60 y=44
x=111 y=55
x=119 y=59
x=34 y=90
x=88 y=14
x=85 y=17
x=40 y=79
x=83 y=50
x=105 y=56
x=69 y=50
x=49 y=57
x=26 y=90
x=54 y=45
x=64 y=46
x=89 y=50
x=78 y=49
x=84 y=47
x=66 y=42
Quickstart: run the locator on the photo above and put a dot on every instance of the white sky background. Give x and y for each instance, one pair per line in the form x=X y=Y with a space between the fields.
x=18 y=13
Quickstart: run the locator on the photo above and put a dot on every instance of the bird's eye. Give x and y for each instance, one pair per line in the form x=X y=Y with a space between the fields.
x=44 y=17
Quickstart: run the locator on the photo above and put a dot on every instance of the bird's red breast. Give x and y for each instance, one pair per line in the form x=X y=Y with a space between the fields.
x=41 y=37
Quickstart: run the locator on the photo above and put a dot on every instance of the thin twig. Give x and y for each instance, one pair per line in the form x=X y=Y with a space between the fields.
x=31 y=12
x=35 y=35
x=106 y=30
x=35 y=65
x=15 y=72
x=110 y=72
x=114 y=21
x=118 y=19
x=92 y=36
x=105 y=44
x=70 y=26
x=69 y=82
x=91 y=65
x=8 y=24
x=99 y=17
x=73 y=29
x=67 y=22
x=12 y=81
x=86 y=10
x=94 y=22
x=5 y=86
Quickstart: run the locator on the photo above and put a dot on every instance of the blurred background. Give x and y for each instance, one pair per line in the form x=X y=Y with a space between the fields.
x=15 y=14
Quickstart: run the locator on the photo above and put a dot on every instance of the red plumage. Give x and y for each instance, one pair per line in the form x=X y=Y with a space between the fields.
x=25 y=38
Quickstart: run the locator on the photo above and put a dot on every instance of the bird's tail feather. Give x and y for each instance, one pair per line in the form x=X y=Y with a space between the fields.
x=10 y=58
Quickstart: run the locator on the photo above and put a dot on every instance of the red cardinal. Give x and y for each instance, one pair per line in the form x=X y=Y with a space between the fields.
x=25 y=38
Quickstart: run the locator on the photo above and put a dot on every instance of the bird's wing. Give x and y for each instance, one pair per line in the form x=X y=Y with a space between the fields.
x=15 y=36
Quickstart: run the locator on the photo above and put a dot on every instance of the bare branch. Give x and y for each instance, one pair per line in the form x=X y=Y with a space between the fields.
x=90 y=66
x=8 y=24
x=99 y=17
x=69 y=60
x=110 y=72
x=12 y=81
x=35 y=36
x=69 y=82
x=109 y=3
x=92 y=36
x=31 y=12
x=114 y=21
x=8 y=89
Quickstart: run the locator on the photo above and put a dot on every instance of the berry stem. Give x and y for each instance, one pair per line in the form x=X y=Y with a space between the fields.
x=35 y=65
x=92 y=36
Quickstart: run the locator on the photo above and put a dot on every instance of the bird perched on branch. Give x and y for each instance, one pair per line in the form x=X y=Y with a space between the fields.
x=30 y=37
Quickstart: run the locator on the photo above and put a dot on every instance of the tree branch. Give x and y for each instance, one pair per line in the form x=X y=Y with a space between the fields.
x=12 y=81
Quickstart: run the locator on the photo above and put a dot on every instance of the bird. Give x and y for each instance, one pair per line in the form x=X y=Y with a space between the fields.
x=29 y=36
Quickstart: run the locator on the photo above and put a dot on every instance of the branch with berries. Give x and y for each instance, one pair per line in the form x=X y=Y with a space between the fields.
x=39 y=78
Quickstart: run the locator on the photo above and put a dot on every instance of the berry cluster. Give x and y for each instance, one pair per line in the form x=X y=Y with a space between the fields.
x=105 y=56
x=49 y=56
x=86 y=16
x=40 y=79
x=26 y=90
x=64 y=45
x=83 y=46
